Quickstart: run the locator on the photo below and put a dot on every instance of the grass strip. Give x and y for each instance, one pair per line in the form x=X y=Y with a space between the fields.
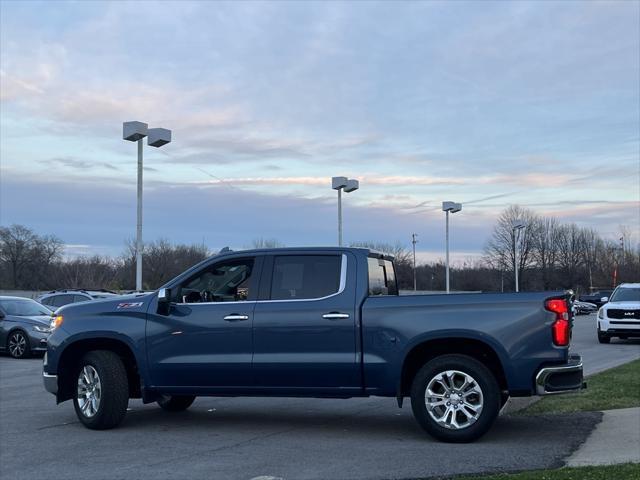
x=625 y=471
x=618 y=387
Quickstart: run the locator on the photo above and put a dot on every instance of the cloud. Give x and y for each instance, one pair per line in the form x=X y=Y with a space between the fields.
x=76 y=163
x=422 y=102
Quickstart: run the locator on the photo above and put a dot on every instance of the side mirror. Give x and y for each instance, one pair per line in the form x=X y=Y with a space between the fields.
x=164 y=301
x=604 y=299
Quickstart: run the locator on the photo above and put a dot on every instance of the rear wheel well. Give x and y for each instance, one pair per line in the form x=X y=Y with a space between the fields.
x=72 y=355
x=431 y=349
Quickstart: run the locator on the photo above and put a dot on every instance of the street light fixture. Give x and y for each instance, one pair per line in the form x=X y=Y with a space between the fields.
x=516 y=226
x=348 y=185
x=157 y=137
x=449 y=207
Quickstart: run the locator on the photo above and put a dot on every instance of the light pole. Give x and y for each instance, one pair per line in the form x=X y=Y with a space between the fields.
x=348 y=185
x=449 y=207
x=156 y=137
x=414 y=241
x=515 y=227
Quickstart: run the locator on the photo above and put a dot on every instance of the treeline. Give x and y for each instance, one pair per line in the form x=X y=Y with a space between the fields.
x=553 y=255
x=550 y=255
x=29 y=261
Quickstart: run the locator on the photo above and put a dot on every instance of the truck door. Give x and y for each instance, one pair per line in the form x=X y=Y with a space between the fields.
x=206 y=339
x=305 y=324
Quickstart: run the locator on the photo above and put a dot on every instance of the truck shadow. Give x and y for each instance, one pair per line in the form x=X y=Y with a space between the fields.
x=381 y=424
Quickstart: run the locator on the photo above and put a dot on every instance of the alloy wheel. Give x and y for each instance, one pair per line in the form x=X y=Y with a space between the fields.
x=454 y=399
x=17 y=344
x=89 y=391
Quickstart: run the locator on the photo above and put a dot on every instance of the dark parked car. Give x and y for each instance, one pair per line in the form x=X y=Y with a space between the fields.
x=584 y=308
x=59 y=298
x=24 y=326
x=314 y=322
x=596 y=297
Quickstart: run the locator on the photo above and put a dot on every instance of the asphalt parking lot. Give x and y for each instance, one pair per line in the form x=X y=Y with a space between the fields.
x=244 y=438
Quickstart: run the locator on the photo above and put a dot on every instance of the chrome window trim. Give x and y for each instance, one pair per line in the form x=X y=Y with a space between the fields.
x=341 y=288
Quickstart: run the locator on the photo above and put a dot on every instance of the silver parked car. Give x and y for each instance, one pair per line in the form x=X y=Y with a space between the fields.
x=24 y=326
x=59 y=298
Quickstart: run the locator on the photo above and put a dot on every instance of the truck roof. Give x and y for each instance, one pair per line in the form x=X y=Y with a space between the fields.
x=359 y=250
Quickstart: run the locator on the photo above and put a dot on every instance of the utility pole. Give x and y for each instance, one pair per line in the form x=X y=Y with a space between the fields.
x=414 y=241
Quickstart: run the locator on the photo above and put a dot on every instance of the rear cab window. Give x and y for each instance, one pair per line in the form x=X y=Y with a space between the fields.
x=382 y=277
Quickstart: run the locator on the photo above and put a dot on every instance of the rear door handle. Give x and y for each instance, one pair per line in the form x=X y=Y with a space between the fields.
x=234 y=317
x=335 y=316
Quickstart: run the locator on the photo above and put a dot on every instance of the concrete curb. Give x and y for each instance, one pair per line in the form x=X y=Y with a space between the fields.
x=615 y=440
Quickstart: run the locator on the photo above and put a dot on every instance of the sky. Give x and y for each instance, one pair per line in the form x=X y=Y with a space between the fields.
x=485 y=103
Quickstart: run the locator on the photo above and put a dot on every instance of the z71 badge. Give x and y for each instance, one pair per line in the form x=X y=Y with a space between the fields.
x=130 y=305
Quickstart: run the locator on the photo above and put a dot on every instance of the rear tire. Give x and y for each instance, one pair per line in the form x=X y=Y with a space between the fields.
x=463 y=396
x=102 y=390
x=176 y=403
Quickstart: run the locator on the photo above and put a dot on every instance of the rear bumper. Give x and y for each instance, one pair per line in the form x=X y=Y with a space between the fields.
x=561 y=378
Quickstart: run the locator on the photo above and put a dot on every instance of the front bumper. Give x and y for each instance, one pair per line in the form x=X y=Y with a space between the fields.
x=561 y=378
x=619 y=327
x=38 y=341
x=50 y=381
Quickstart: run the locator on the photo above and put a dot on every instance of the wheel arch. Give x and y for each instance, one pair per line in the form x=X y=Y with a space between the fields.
x=423 y=351
x=75 y=351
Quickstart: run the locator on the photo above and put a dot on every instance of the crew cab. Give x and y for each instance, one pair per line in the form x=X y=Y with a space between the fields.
x=311 y=322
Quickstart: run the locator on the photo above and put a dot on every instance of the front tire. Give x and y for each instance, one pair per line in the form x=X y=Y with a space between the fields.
x=175 y=403
x=603 y=337
x=102 y=393
x=18 y=344
x=455 y=398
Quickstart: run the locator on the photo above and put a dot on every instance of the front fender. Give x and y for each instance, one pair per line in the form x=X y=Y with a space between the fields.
x=129 y=331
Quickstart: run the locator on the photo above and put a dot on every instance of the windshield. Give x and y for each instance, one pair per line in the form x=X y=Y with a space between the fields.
x=626 y=295
x=23 y=308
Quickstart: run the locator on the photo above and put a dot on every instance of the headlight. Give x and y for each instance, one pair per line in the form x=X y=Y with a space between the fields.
x=42 y=329
x=601 y=313
x=56 y=321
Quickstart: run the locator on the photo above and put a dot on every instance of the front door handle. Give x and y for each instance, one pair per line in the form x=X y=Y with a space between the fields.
x=335 y=316
x=234 y=317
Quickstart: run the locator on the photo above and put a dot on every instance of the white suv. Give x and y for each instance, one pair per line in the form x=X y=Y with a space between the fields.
x=620 y=316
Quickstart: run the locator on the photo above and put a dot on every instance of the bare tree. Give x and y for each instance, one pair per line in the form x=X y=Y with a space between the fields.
x=87 y=272
x=161 y=261
x=545 y=248
x=592 y=245
x=261 y=242
x=502 y=249
x=26 y=256
x=570 y=254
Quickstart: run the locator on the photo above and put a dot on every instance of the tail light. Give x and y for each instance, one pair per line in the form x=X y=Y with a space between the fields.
x=561 y=328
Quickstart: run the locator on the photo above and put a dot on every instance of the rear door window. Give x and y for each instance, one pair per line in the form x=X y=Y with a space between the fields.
x=300 y=277
x=382 y=277
x=61 y=300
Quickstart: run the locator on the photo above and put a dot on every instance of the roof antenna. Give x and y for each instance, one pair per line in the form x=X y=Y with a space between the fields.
x=225 y=250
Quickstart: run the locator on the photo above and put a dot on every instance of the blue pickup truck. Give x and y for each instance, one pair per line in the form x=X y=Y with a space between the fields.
x=311 y=322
